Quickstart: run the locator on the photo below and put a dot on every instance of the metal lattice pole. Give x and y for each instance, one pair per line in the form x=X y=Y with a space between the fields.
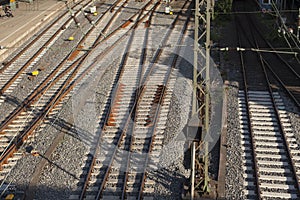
x=201 y=88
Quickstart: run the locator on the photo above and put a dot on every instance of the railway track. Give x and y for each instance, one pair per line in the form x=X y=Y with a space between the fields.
x=271 y=146
x=85 y=43
x=271 y=159
x=13 y=72
x=23 y=121
x=48 y=99
x=285 y=74
x=131 y=127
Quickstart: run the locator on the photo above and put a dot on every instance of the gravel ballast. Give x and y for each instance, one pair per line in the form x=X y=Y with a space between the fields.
x=77 y=121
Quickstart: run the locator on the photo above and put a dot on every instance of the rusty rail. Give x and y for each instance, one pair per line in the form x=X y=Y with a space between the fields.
x=110 y=21
x=38 y=92
x=7 y=64
x=158 y=53
x=34 y=97
x=163 y=94
x=106 y=121
x=138 y=92
x=24 y=67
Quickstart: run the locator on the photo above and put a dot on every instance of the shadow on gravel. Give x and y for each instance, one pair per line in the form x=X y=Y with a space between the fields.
x=14 y=101
x=168 y=180
x=72 y=130
x=45 y=192
x=41 y=192
x=59 y=167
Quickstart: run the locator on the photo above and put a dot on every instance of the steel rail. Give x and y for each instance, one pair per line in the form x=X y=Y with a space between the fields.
x=67 y=89
x=138 y=91
x=113 y=6
x=156 y=57
x=292 y=96
x=7 y=64
x=122 y=65
x=35 y=95
x=280 y=123
x=126 y=127
x=124 y=59
x=72 y=85
x=281 y=126
x=277 y=77
x=161 y=98
x=38 y=91
x=24 y=67
x=28 y=62
x=292 y=164
x=18 y=140
x=82 y=75
x=86 y=71
x=245 y=80
x=104 y=53
x=273 y=49
x=112 y=19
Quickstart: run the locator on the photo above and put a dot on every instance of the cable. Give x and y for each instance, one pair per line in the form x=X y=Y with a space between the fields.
x=267 y=50
x=254 y=12
x=286 y=31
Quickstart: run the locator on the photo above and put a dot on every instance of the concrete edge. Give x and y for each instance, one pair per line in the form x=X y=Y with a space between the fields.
x=30 y=33
x=223 y=148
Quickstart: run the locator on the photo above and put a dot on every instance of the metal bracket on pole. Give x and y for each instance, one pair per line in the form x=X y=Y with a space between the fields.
x=201 y=97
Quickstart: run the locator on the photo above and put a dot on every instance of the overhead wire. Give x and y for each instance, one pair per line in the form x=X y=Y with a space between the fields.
x=286 y=31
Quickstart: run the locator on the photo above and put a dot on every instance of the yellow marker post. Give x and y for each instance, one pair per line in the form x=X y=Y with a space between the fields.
x=95 y=13
x=71 y=38
x=35 y=73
